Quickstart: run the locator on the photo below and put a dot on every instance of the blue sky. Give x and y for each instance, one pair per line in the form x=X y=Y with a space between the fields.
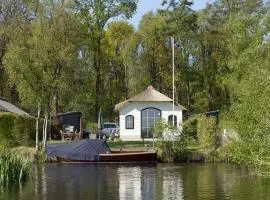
x=145 y=6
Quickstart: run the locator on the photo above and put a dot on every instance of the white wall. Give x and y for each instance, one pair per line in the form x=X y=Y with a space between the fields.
x=135 y=108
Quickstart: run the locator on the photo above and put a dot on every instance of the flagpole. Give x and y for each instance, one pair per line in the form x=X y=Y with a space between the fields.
x=173 y=81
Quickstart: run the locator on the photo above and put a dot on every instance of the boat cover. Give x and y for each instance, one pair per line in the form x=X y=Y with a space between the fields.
x=84 y=150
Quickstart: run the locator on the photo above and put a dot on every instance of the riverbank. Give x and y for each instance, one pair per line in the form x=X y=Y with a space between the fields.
x=165 y=153
x=14 y=168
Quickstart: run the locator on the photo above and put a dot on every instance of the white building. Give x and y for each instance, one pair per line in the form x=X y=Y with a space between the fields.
x=138 y=114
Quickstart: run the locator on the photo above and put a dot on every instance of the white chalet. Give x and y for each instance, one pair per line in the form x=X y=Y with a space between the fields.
x=138 y=114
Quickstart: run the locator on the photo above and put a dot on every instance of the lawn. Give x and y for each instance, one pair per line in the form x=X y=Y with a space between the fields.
x=118 y=144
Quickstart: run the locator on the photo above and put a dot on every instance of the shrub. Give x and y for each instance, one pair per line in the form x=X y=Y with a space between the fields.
x=16 y=129
x=170 y=144
x=92 y=127
x=206 y=130
x=200 y=128
x=190 y=128
x=159 y=128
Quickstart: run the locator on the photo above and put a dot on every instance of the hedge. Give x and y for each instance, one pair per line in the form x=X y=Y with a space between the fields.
x=16 y=130
x=201 y=128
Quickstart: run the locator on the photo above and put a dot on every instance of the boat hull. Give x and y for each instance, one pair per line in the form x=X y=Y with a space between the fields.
x=127 y=156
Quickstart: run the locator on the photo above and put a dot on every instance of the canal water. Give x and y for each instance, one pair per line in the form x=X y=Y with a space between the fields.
x=147 y=181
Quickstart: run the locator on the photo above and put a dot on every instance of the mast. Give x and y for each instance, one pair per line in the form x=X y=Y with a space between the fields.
x=173 y=83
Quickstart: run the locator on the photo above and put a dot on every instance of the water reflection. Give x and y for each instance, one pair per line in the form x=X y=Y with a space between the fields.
x=130 y=183
x=157 y=181
x=172 y=183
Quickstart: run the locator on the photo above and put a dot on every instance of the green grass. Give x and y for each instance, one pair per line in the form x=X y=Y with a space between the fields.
x=119 y=144
x=13 y=168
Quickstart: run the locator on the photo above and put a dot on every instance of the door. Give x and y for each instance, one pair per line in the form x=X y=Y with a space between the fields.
x=148 y=118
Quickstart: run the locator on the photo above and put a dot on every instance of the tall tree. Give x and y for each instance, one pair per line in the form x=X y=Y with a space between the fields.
x=42 y=54
x=149 y=54
x=117 y=36
x=95 y=15
x=9 y=11
x=183 y=26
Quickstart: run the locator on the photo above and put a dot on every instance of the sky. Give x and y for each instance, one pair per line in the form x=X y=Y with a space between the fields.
x=145 y=6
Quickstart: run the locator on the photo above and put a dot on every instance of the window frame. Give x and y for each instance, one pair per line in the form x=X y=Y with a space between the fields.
x=172 y=120
x=126 y=121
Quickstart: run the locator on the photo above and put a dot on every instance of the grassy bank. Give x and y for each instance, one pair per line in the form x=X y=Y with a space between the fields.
x=126 y=144
x=118 y=144
x=13 y=167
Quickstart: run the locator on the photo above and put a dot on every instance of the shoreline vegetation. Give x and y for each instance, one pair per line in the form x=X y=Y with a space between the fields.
x=58 y=56
x=199 y=141
x=14 y=168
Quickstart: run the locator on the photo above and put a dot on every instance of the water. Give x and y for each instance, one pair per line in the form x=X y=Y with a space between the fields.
x=126 y=181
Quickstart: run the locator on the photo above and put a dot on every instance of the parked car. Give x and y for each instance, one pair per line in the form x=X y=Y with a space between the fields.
x=110 y=130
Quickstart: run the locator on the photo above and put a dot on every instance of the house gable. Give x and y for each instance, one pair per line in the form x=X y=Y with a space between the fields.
x=149 y=98
x=135 y=109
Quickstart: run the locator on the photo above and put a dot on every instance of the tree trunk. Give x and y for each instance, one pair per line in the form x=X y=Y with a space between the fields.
x=45 y=130
x=98 y=76
x=97 y=103
x=37 y=124
x=56 y=104
x=126 y=83
x=188 y=96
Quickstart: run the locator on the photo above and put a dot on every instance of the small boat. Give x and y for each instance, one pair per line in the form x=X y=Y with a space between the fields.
x=94 y=151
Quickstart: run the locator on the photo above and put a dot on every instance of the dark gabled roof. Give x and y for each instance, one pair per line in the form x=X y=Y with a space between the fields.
x=5 y=106
x=69 y=113
x=148 y=95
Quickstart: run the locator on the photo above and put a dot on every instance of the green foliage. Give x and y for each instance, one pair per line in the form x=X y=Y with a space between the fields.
x=13 y=168
x=206 y=130
x=253 y=151
x=171 y=150
x=249 y=86
x=92 y=127
x=200 y=130
x=159 y=128
x=16 y=130
x=169 y=142
x=190 y=128
x=94 y=16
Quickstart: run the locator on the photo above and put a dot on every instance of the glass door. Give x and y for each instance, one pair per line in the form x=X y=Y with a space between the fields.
x=149 y=116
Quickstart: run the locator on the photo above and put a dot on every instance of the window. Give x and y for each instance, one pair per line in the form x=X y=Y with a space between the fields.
x=106 y=125
x=170 y=120
x=129 y=122
x=113 y=126
x=149 y=116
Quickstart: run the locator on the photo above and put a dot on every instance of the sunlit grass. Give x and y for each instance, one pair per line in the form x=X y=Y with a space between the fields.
x=14 y=169
x=117 y=144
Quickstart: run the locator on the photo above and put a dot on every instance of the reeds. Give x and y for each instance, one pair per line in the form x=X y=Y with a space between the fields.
x=13 y=168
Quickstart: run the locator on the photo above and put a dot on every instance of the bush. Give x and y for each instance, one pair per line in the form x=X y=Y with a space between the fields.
x=190 y=128
x=92 y=127
x=200 y=128
x=17 y=130
x=170 y=151
x=170 y=144
x=206 y=130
